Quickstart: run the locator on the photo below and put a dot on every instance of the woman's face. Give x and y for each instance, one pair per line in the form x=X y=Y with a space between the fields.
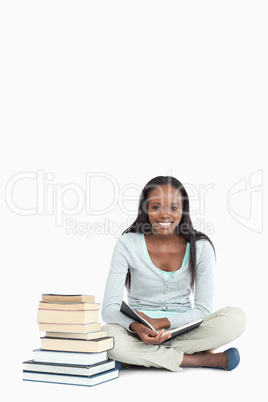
x=164 y=207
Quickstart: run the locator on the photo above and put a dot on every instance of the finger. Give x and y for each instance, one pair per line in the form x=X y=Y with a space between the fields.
x=159 y=335
x=165 y=337
x=156 y=338
x=150 y=332
x=150 y=337
x=150 y=340
x=160 y=338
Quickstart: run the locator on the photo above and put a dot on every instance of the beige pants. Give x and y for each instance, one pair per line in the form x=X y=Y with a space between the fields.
x=216 y=330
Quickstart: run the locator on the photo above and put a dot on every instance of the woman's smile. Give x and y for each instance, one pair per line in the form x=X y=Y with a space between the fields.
x=164 y=224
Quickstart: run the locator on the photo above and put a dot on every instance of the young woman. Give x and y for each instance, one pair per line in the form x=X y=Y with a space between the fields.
x=165 y=263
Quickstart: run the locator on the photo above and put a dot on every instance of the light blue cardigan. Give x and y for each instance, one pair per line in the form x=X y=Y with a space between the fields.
x=149 y=289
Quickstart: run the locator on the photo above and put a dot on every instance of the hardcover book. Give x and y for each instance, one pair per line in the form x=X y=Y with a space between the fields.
x=62 y=357
x=67 y=317
x=59 y=298
x=45 y=305
x=71 y=379
x=127 y=310
x=71 y=369
x=76 y=328
x=78 y=345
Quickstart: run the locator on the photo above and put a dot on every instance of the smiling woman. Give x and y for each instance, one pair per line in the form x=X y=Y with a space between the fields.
x=165 y=208
x=165 y=200
x=163 y=260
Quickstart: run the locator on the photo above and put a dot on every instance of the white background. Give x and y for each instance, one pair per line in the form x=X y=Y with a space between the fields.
x=123 y=91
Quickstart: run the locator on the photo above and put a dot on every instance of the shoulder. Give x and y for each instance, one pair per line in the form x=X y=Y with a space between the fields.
x=204 y=249
x=129 y=240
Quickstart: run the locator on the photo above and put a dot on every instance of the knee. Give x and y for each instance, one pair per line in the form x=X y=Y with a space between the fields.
x=113 y=330
x=239 y=319
x=236 y=320
x=119 y=334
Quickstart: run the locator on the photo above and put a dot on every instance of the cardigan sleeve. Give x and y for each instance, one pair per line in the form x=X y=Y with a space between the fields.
x=114 y=289
x=204 y=286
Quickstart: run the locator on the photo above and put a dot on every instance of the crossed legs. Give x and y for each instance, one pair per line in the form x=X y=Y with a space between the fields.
x=190 y=349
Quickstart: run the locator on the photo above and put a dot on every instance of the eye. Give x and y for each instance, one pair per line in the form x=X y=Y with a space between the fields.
x=156 y=207
x=174 y=208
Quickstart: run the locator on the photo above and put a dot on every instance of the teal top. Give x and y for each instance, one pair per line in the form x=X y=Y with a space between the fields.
x=166 y=275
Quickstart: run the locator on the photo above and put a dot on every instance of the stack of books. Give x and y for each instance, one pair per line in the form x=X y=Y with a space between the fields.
x=74 y=349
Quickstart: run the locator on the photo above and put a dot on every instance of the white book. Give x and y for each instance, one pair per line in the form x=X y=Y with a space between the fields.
x=53 y=356
x=71 y=379
x=70 y=369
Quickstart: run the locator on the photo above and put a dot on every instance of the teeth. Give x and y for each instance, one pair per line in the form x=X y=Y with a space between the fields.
x=164 y=223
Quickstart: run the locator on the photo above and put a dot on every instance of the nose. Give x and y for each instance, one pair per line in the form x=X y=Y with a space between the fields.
x=165 y=213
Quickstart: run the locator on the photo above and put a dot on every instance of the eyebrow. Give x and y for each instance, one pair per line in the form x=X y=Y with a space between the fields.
x=155 y=202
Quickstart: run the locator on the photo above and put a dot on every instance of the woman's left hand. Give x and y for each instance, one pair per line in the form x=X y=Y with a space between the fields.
x=157 y=323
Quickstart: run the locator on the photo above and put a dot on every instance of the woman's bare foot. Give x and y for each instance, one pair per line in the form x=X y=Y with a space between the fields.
x=205 y=359
x=126 y=365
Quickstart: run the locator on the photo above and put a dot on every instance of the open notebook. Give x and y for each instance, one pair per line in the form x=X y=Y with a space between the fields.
x=127 y=310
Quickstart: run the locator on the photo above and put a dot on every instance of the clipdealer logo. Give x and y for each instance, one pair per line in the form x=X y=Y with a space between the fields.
x=45 y=197
x=31 y=193
x=245 y=201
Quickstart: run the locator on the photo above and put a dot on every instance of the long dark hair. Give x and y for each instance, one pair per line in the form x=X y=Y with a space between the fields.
x=185 y=227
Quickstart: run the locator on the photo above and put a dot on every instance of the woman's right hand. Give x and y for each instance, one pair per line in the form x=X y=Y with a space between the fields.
x=148 y=336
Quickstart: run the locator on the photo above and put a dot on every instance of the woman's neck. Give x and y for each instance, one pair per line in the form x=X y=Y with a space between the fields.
x=160 y=238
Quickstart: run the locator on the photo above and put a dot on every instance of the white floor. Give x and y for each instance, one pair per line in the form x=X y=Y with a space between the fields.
x=153 y=384
x=193 y=384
